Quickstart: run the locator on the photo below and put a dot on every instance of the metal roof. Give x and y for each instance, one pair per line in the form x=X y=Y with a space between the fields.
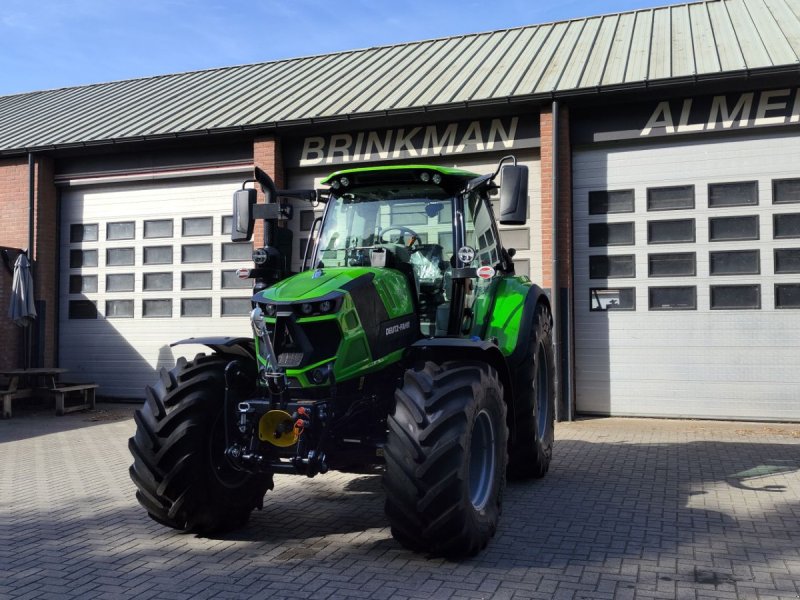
x=688 y=41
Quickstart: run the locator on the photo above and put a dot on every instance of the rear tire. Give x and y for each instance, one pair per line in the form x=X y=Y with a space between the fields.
x=182 y=477
x=446 y=456
x=532 y=449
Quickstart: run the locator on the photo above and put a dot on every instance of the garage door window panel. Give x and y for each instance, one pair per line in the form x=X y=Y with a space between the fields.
x=192 y=226
x=119 y=309
x=235 y=307
x=605 y=299
x=119 y=257
x=160 y=308
x=82 y=309
x=230 y=280
x=612 y=201
x=83 y=232
x=82 y=284
x=82 y=258
x=607 y=267
x=123 y=230
x=196 y=253
x=611 y=234
x=158 y=255
x=735 y=297
x=670 y=198
x=157 y=282
x=787 y=260
x=196 y=280
x=786 y=191
x=725 y=229
x=674 y=231
x=786 y=226
x=160 y=228
x=120 y=282
x=735 y=262
x=672 y=298
x=237 y=251
x=787 y=295
x=196 y=307
x=744 y=193
x=672 y=264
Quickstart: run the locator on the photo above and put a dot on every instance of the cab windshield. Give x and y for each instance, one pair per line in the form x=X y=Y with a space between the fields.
x=406 y=228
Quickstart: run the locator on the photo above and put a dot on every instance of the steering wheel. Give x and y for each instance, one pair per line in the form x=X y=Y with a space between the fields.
x=403 y=230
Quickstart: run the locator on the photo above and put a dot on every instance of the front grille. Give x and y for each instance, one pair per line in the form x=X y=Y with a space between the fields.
x=299 y=345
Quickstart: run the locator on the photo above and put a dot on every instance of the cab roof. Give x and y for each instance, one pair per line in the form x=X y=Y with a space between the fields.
x=450 y=172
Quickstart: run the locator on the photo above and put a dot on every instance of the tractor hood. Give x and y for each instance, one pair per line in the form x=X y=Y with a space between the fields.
x=390 y=285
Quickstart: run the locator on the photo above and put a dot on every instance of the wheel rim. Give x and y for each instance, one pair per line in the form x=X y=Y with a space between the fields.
x=542 y=393
x=481 y=460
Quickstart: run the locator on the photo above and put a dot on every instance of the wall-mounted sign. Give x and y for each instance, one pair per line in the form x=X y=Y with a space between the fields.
x=704 y=114
x=420 y=141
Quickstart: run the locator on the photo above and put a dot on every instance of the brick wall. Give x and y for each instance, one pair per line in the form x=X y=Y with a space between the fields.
x=14 y=233
x=268 y=157
x=564 y=200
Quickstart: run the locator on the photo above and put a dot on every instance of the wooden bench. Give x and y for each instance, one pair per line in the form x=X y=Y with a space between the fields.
x=84 y=390
x=10 y=394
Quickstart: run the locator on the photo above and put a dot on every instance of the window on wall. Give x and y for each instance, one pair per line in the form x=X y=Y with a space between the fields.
x=82 y=284
x=237 y=251
x=160 y=308
x=670 y=232
x=611 y=234
x=785 y=191
x=605 y=299
x=159 y=228
x=306 y=220
x=235 y=307
x=157 y=282
x=678 y=197
x=786 y=226
x=733 y=297
x=82 y=258
x=672 y=298
x=82 y=309
x=724 y=229
x=196 y=307
x=744 y=193
x=671 y=264
x=787 y=295
x=607 y=267
x=605 y=202
x=120 y=282
x=734 y=262
x=83 y=232
x=192 y=226
x=231 y=280
x=119 y=309
x=196 y=280
x=196 y=253
x=157 y=255
x=123 y=230
x=787 y=260
x=117 y=257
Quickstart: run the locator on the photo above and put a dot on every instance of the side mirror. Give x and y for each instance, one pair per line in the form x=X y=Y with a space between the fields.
x=514 y=195
x=243 y=221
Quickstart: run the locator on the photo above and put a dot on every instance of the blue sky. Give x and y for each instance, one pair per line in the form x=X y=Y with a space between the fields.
x=47 y=44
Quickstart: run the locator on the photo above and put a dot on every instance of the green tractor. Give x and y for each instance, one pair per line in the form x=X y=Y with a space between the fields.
x=408 y=345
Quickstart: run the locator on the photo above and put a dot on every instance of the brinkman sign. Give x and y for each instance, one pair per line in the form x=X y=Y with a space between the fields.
x=693 y=115
x=460 y=137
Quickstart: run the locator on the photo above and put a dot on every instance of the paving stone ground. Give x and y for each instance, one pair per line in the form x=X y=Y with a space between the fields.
x=632 y=508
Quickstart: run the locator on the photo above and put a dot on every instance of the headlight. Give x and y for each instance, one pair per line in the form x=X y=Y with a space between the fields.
x=425 y=177
x=437 y=179
x=324 y=306
x=272 y=310
x=307 y=308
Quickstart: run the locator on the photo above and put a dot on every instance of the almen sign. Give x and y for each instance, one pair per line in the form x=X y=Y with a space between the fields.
x=704 y=114
x=415 y=141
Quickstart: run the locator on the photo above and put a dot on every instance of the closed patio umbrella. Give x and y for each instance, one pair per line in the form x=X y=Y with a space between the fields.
x=22 y=310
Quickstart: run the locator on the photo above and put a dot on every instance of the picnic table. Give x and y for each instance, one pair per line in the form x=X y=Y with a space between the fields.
x=44 y=381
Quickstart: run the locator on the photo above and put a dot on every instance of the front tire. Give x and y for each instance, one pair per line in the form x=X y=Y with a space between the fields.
x=446 y=456
x=182 y=477
x=535 y=392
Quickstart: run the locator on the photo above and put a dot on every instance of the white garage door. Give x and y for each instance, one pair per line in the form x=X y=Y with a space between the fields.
x=526 y=240
x=687 y=279
x=144 y=265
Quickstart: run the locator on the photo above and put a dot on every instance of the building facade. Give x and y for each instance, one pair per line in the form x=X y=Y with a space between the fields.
x=664 y=155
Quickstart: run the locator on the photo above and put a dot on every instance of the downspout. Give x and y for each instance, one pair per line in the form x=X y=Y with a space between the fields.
x=31 y=205
x=555 y=300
